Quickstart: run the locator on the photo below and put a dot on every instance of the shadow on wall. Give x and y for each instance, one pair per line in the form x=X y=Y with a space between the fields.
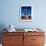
x=2 y=26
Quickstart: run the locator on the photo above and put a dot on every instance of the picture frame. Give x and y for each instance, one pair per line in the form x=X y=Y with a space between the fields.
x=26 y=13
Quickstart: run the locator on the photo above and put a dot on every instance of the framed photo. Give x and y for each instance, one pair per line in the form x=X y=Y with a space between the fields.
x=25 y=13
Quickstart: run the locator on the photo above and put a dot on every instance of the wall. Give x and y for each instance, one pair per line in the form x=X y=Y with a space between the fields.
x=10 y=13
